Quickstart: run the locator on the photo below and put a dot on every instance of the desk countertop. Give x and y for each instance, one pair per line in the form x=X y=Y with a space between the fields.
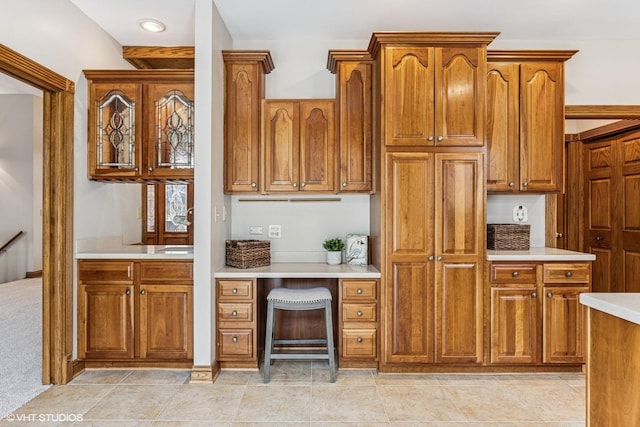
x=300 y=271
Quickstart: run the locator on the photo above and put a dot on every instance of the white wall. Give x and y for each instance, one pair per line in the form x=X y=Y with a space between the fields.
x=20 y=190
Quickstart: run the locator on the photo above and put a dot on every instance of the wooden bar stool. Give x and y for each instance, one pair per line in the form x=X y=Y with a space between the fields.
x=298 y=299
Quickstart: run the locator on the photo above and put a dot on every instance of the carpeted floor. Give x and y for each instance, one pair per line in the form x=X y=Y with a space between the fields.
x=20 y=343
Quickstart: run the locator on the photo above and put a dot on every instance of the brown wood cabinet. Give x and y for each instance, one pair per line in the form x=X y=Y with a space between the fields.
x=237 y=335
x=354 y=83
x=612 y=211
x=298 y=145
x=244 y=90
x=525 y=120
x=535 y=315
x=141 y=125
x=434 y=257
x=135 y=311
x=358 y=323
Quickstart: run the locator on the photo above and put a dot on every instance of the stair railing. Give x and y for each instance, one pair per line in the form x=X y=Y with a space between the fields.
x=11 y=240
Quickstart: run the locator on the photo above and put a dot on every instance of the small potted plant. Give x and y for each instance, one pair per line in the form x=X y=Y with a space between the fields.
x=334 y=249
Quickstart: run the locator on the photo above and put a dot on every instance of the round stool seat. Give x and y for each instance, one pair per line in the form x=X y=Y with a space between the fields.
x=299 y=296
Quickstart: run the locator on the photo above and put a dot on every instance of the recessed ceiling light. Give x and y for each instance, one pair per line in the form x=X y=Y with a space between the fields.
x=152 y=25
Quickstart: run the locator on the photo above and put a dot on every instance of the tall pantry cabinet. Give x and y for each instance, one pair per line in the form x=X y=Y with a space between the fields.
x=427 y=222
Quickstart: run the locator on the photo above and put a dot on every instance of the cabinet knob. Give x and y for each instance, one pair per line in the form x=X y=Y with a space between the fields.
x=344 y=184
x=430 y=138
x=440 y=138
x=359 y=339
x=302 y=184
x=295 y=184
x=127 y=292
x=598 y=238
x=234 y=313
x=568 y=274
x=234 y=339
x=253 y=184
x=234 y=291
x=534 y=294
x=142 y=292
x=431 y=258
x=512 y=184
x=515 y=274
x=150 y=169
x=525 y=184
x=549 y=294
x=360 y=314
x=359 y=291
x=135 y=169
x=439 y=258
x=558 y=235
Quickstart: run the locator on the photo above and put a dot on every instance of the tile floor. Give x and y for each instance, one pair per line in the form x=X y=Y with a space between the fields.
x=299 y=394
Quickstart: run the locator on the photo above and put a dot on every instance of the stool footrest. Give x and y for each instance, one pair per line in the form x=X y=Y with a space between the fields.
x=296 y=342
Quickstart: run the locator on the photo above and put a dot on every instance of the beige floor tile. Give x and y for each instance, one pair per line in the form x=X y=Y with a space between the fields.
x=286 y=372
x=153 y=377
x=101 y=376
x=346 y=403
x=418 y=404
x=191 y=423
x=406 y=379
x=275 y=403
x=203 y=402
x=352 y=424
x=132 y=402
x=230 y=377
x=362 y=377
x=268 y=424
x=71 y=400
x=119 y=423
x=553 y=402
x=491 y=403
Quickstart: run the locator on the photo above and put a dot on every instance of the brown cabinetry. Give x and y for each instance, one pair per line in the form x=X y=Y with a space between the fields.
x=244 y=91
x=525 y=120
x=298 y=145
x=354 y=83
x=141 y=125
x=535 y=315
x=237 y=323
x=135 y=310
x=358 y=320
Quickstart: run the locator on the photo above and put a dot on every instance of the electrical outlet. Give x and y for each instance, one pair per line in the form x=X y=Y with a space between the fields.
x=255 y=229
x=275 y=231
x=520 y=213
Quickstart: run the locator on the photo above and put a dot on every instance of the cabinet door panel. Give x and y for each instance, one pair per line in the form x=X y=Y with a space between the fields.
x=564 y=331
x=514 y=328
x=459 y=313
x=460 y=96
x=317 y=145
x=281 y=139
x=409 y=96
x=541 y=126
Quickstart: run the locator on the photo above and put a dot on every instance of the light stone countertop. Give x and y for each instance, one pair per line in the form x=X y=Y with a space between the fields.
x=623 y=305
x=539 y=254
x=300 y=271
x=110 y=251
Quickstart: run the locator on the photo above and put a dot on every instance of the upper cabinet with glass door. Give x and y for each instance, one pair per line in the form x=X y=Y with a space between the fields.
x=141 y=125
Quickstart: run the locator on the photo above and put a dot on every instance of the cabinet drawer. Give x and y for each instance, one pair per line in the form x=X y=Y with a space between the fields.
x=235 y=344
x=166 y=271
x=238 y=312
x=105 y=271
x=359 y=312
x=566 y=273
x=359 y=289
x=235 y=289
x=513 y=273
x=359 y=343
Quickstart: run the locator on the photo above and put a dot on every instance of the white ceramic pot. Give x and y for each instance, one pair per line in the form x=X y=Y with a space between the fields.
x=334 y=257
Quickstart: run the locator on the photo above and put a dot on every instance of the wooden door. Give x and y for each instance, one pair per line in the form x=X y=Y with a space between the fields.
x=409 y=290
x=459 y=184
x=514 y=325
x=354 y=86
x=503 y=127
x=601 y=204
x=115 y=130
x=408 y=92
x=160 y=205
x=317 y=145
x=541 y=126
x=166 y=321
x=281 y=145
x=105 y=324
x=564 y=325
x=630 y=211
x=244 y=89
x=460 y=82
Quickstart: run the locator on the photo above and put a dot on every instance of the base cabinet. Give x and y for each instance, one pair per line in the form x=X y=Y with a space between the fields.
x=135 y=311
x=535 y=315
x=358 y=323
x=237 y=339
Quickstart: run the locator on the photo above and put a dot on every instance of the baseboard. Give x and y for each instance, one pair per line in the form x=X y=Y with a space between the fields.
x=32 y=274
x=201 y=374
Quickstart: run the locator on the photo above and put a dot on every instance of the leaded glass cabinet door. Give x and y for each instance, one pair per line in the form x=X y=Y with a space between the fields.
x=170 y=138
x=168 y=213
x=114 y=130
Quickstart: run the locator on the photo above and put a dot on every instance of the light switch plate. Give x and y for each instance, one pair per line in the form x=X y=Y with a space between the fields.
x=255 y=229
x=520 y=213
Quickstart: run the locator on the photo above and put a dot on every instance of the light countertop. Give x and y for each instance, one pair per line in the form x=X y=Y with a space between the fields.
x=623 y=305
x=300 y=271
x=539 y=254
x=110 y=251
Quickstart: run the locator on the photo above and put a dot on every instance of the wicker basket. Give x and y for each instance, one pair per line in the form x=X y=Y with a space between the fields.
x=510 y=237
x=248 y=253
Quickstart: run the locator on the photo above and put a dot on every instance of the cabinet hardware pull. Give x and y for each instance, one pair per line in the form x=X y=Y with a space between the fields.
x=525 y=184
x=559 y=235
x=234 y=339
x=128 y=272
x=439 y=258
x=127 y=292
x=568 y=274
x=234 y=313
x=512 y=184
x=430 y=258
x=234 y=291
x=598 y=238
x=150 y=169
x=430 y=138
x=142 y=292
x=344 y=184
x=253 y=184
x=135 y=169
x=360 y=314
x=534 y=295
x=515 y=274
x=302 y=184
x=549 y=294
x=359 y=291
x=359 y=339
x=295 y=184
x=440 y=138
